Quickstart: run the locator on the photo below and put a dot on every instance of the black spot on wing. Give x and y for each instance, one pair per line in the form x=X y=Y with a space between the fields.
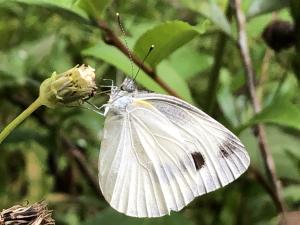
x=227 y=148
x=198 y=160
x=223 y=152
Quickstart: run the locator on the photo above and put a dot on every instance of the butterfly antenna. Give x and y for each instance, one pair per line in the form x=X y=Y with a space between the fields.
x=126 y=44
x=143 y=61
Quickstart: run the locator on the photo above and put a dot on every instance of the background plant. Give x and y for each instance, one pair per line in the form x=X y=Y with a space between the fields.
x=198 y=57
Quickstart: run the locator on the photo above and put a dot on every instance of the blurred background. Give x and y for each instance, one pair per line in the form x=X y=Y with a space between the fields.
x=53 y=155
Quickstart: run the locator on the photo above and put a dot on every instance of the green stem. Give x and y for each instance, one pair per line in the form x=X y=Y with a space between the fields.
x=19 y=119
x=215 y=73
x=213 y=82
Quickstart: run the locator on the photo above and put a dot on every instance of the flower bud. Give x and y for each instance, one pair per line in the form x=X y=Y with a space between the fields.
x=72 y=87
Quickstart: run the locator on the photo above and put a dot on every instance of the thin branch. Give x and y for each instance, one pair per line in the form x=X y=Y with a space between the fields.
x=259 y=129
x=112 y=39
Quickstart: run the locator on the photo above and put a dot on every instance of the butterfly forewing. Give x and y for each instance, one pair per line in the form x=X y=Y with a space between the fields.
x=221 y=151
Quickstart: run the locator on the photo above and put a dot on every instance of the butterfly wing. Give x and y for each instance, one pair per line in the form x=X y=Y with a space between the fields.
x=213 y=146
x=144 y=168
x=167 y=152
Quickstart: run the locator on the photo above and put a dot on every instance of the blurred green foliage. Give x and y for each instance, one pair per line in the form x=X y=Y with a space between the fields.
x=42 y=36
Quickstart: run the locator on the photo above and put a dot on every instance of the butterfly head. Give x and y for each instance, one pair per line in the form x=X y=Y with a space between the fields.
x=128 y=85
x=127 y=88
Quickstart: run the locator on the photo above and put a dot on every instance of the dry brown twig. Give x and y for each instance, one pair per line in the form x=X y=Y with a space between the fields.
x=259 y=129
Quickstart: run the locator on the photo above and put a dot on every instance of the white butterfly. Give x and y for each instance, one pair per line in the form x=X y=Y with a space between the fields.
x=158 y=153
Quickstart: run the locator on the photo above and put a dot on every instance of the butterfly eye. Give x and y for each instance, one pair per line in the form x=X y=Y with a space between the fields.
x=130 y=87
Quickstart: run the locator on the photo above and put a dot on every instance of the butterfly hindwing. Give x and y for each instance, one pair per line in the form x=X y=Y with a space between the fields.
x=149 y=172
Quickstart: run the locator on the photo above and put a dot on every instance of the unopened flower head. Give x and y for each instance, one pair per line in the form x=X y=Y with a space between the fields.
x=72 y=87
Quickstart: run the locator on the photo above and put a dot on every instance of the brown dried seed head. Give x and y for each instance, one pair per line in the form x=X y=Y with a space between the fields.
x=36 y=214
x=279 y=35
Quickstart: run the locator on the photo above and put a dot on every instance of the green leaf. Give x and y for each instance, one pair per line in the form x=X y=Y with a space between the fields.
x=67 y=5
x=94 y=8
x=116 y=58
x=188 y=61
x=112 y=217
x=292 y=194
x=226 y=98
x=259 y=7
x=256 y=25
x=170 y=76
x=281 y=112
x=211 y=11
x=166 y=38
x=19 y=61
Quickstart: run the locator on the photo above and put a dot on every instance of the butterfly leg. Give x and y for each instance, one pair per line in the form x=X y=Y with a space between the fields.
x=111 y=83
x=96 y=109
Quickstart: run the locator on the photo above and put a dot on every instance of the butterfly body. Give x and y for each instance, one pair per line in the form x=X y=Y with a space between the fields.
x=119 y=105
x=158 y=153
